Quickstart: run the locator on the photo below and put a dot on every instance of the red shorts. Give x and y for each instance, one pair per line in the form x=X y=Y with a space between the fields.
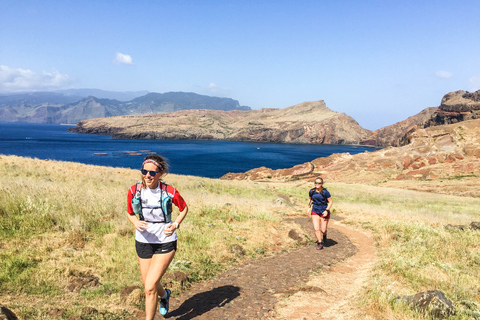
x=319 y=214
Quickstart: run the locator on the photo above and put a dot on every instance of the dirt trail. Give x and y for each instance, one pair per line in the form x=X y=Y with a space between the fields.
x=284 y=286
x=338 y=287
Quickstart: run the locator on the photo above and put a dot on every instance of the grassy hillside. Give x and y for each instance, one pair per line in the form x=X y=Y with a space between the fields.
x=62 y=222
x=416 y=252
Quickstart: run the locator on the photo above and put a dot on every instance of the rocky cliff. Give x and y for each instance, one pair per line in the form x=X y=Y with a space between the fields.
x=454 y=107
x=308 y=122
x=397 y=134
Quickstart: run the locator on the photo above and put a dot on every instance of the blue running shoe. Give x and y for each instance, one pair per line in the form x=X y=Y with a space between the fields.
x=163 y=308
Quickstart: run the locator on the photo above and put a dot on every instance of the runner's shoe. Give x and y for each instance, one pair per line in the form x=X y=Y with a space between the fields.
x=319 y=245
x=163 y=308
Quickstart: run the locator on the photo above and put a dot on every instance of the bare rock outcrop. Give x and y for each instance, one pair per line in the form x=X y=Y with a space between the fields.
x=474 y=225
x=432 y=303
x=461 y=101
x=455 y=107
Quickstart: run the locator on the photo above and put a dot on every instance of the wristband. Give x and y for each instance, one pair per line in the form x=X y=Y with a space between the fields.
x=177 y=225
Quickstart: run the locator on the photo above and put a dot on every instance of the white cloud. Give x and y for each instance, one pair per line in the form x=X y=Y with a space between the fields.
x=13 y=80
x=213 y=89
x=123 y=58
x=474 y=83
x=443 y=74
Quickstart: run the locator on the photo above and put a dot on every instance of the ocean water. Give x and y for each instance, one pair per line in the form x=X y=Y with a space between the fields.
x=210 y=159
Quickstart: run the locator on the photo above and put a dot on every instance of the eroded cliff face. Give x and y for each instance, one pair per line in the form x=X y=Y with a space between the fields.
x=308 y=122
x=455 y=107
x=440 y=152
x=397 y=134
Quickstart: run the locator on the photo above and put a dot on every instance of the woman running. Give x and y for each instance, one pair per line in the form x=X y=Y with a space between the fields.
x=156 y=237
x=320 y=211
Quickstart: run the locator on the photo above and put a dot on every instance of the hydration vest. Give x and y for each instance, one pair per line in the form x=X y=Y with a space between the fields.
x=164 y=202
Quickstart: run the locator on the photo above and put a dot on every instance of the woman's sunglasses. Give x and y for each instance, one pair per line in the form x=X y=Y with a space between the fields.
x=152 y=173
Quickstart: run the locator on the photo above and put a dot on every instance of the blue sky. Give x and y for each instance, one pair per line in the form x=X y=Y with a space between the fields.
x=377 y=61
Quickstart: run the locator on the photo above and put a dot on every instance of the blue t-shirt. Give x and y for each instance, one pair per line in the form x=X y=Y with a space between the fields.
x=319 y=200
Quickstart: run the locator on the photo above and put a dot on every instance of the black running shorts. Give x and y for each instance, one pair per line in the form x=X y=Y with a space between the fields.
x=147 y=250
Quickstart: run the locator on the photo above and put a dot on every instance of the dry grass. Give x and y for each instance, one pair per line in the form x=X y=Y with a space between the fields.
x=461 y=185
x=62 y=221
x=416 y=252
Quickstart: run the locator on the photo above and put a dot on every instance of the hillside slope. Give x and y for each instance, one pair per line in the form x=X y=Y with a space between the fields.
x=436 y=153
x=395 y=134
x=455 y=107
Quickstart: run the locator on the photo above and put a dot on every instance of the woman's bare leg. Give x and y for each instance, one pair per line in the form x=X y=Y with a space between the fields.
x=323 y=229
x=316 y=227
x=152 y=271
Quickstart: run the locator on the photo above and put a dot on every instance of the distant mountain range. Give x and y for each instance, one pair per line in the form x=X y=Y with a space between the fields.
x=72 y=106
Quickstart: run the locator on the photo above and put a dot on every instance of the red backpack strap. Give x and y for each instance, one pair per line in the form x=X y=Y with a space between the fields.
x=138 y=186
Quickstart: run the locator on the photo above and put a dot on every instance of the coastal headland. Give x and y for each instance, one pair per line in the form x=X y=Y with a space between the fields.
x=308 y=122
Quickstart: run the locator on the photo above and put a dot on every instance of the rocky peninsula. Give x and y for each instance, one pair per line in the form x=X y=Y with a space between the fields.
x=308 y=122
